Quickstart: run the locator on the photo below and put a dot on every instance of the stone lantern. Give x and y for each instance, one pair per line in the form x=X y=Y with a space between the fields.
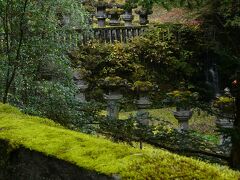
x=142 y=88
x=114 y=12
x=225 y=123
x=112 y=85
x=113 y=98
x=142 y=104
x=143 y=15
x=82 y=86
x=101 y=12
x=183 y=115
x=225 y=117
x=128 y=15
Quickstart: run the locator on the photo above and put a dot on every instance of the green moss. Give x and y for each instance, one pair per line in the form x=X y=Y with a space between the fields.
x=101 y=155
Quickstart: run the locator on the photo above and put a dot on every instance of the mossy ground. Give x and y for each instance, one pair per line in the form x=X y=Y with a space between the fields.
x=101 y=155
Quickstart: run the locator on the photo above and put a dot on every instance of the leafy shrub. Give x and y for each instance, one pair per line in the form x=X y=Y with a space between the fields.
x=160 y=57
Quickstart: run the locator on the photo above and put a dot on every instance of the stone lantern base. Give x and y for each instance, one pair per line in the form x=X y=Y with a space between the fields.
x=82 y=86
x=225 y=140
x=143 y=103
x=183 y=117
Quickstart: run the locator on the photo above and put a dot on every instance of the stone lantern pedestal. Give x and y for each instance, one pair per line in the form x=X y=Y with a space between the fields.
x=82 y=86
x=226 y=123
x=142 y=104
x=183 y=116
x=112 y=104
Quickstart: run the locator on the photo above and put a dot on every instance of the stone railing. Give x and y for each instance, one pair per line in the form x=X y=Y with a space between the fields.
x=112 y=34
x=119 y=33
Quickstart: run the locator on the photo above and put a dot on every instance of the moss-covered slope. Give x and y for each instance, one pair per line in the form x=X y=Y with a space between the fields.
x=99 y=154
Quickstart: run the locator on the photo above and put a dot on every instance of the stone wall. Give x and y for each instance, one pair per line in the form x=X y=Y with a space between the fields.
x=23 y=164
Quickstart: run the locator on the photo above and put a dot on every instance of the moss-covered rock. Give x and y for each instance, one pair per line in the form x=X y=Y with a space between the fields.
x=100 y=155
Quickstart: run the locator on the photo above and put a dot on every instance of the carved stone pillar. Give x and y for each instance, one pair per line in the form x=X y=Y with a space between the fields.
x=82 y=86
x=143 y=103
x=112 y=104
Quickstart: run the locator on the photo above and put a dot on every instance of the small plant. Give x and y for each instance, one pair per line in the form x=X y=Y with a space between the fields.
x=113 y=82
x=142 y=86
x=130 y=4
x=113 y=11
x=101 y=3
x=144 y=11
x=115 y=8
x=183 y=98
x=224 y=104
x=83 y=72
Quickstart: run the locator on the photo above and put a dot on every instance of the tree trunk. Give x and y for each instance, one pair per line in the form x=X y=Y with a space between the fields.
x=15 y=64
x=235 y=152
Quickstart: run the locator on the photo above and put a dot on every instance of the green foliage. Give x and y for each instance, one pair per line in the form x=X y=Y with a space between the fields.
x=85 y=116
x=101 y=155
x=229 y=10
x=224 y=14
x=162 y=57
x=201 y=121
x=183 y=98
x=161 y=133
x=114 y=11
x=35 y=69
x=52 y=100
x=225 y=105
x=160 y=51
x=142 y=86
x=222 y=100
x=113 y=82
x=108 y=65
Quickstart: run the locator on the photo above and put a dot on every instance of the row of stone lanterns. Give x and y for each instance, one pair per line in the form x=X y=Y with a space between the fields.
x=143 y=103
x=183 y=115
x=113 y=11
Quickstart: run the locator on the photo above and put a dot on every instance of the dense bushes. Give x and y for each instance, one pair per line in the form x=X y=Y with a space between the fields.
x=161 y=56
x=34 y=67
